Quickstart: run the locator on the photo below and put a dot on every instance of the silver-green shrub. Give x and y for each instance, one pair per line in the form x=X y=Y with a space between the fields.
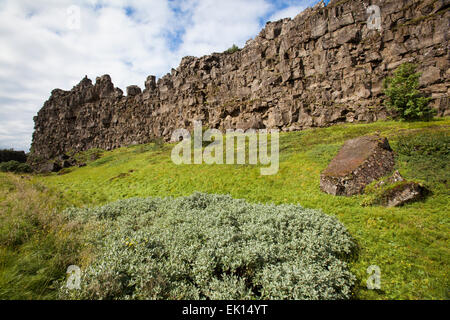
x=214 y=247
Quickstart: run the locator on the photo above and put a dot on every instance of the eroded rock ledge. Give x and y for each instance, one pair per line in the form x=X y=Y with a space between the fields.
x=323 y=67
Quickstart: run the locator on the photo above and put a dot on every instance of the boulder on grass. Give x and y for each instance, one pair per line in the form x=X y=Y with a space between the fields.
x=403 y=193
x=359 y=162
x=395 y=191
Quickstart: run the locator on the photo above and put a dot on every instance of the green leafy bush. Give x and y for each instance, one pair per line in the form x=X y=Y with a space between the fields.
x=404 y=97
x=233 y=49
x=213 y=247
x=15 y=167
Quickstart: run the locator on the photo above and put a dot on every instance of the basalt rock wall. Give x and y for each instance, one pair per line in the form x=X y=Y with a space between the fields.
x=323 y=67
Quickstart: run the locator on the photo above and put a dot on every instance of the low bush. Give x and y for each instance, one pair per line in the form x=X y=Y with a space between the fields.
x=15 y=167
x=213 y=247
x=233 y=49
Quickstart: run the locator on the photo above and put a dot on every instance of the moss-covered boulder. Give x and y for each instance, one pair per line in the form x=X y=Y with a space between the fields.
x=394 y=191
x=359 y=162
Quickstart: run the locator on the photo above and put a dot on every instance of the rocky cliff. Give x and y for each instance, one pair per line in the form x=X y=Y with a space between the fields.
x=323 y=67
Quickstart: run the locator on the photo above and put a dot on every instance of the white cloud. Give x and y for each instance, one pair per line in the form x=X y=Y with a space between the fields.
x=289 y=12
x=127 y=39
x=39 y=53
x=217 y=25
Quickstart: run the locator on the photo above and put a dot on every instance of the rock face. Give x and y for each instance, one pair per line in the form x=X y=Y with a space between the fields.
x=359 y=162
x=323 y=67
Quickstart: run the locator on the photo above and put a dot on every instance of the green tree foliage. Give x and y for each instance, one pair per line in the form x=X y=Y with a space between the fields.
x=233 y=49
x=9 y=155
x=15 y=166
x=404 y=97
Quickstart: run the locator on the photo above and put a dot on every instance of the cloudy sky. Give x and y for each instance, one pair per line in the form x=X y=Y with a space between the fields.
x=49 y=44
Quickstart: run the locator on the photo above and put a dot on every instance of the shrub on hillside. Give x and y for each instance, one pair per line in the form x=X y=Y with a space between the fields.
x=404 y=97
x=15 y=167
x=213 y=247
x=10 y=155
x=233 y=49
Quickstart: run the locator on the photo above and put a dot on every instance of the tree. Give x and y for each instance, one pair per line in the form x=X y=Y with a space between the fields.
x=233 y=49
x=404 y=97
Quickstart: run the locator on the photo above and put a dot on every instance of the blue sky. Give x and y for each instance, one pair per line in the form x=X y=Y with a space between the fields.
x=46 y=44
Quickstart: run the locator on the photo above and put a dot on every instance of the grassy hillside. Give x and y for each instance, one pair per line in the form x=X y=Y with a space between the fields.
x=36 y=244
x=409 y=244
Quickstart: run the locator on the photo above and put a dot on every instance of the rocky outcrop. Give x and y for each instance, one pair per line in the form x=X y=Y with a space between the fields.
x=359 y=162
x=395 y=191
x=323 y=67
x=404 y=193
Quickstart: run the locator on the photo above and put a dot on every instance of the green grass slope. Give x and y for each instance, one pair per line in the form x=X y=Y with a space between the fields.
x=410 y=244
